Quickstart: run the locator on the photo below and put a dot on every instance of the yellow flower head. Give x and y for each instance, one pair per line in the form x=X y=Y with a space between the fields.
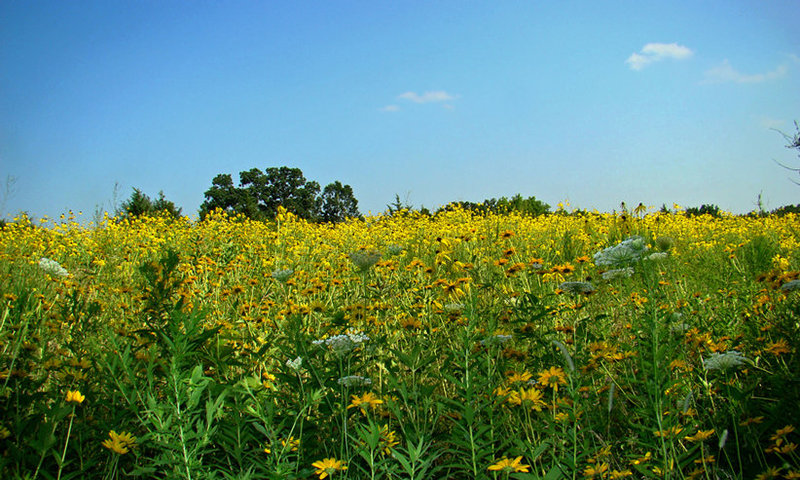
x=507 y=465
x=328 y=466
x=119 y=443
x=369 y=399
x=75 y=396
x=553 y=377
x=699 y=436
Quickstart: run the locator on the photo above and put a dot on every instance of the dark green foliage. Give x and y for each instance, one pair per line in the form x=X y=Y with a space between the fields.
x=398 y=206
x=529 y=206
x=704 y=209
x=786 y=209
x=140 y=204
x=338 y=203
x=259 y=195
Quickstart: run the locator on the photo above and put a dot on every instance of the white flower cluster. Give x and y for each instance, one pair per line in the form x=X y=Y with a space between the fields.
x=724 y=361
x=454 y=307
x=617 y=273
x=394 y=250
x=576 y=288
x=495 y=340
x=295 y=364
x=52 y=267
x=354 y=381
x=657 y=256
x=622 y=254
x=344 y=343
x=364 y=259
x=282 y=275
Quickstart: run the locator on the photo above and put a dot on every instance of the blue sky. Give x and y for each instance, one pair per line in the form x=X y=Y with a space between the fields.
x=589 y=102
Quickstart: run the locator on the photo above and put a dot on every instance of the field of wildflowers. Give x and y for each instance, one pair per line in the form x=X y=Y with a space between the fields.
x=406 y=346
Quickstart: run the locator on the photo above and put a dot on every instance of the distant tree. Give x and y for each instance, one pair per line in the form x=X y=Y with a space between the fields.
x=163 y=206
x=285 y=187
x=225 y=196
x=398 y=206
x=530 y=205
x=786 y=209
x=140 y=204
x=259 y=195
x=704 y=209
x=337 y=203
x=794 y=143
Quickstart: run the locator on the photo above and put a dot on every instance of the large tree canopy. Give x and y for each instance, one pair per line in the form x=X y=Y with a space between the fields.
x=259 y=195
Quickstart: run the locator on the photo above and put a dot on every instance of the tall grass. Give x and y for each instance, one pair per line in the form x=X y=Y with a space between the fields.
x=455 y=346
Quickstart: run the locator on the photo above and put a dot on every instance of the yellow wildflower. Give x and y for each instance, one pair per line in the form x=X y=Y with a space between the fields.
x=75 y=396
x=553 y=377
x=699 y=436
x=507 y=465
x=328 y=466
x=369 y=399
x=119 y=443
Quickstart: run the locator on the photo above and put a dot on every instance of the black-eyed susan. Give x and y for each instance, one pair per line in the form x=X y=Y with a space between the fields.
x=507 y=465
x=553 y=377
x=699 y=436
x=328 y=466
x=368 y=400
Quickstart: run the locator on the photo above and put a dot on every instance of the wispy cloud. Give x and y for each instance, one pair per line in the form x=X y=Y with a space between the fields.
x=428 y=97
x=724 y=72
x=655 y=52
x=766 y=121
x=390 y=108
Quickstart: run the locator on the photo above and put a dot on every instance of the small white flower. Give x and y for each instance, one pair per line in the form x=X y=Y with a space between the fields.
x=282 y=275
x=394 y=250
x=617 y=273
x=454 y=307
x=52 y=267
x=577 y=287
x=657 y=256
x=354 y=381
x=495 y=340
x=364 y=259
x=344 y=343
x=295 y=364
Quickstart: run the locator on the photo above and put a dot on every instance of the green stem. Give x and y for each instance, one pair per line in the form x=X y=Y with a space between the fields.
x=66 y=442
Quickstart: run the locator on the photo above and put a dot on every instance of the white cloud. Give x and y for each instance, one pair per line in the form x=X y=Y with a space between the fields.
x=724 y=72
x=427 y=97
x=771 y=123
x=390 y=108
x=654 y=52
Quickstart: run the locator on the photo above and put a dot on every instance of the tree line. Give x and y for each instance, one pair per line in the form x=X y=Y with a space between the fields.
x=259 y=195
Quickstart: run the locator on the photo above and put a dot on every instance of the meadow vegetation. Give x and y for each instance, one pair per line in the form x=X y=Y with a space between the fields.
x=405 y=346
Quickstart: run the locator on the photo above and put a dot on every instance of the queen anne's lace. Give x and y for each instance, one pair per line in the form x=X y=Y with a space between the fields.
x=724 y=361
x=622 y=254
x=52 y=267
x=344 y=343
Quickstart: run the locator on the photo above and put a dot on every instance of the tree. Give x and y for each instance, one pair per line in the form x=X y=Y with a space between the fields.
x=140 y=204
x=225 y=196
x=337 y=203
x=259 y=195
x=399 y=206
x=794 y=143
